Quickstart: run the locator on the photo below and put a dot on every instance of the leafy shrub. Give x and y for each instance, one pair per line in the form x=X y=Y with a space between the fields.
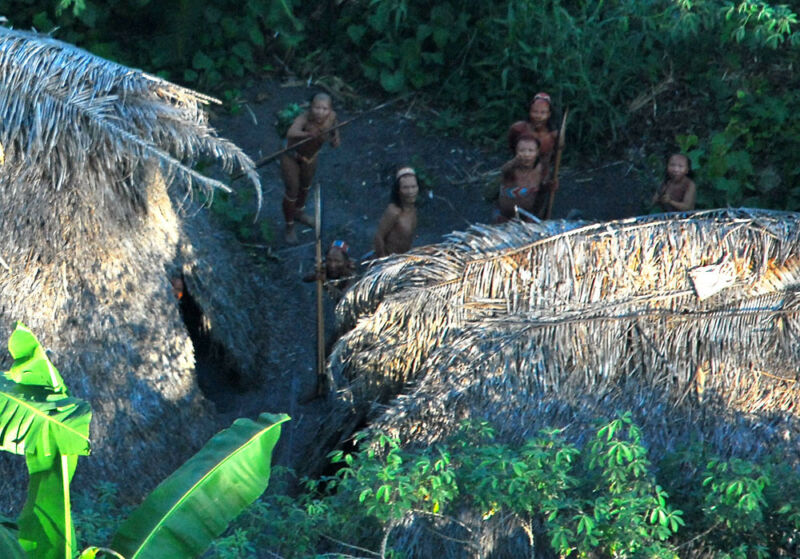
x=606 y=497
x=479 y=63
x=204 y=45
x=51 y=429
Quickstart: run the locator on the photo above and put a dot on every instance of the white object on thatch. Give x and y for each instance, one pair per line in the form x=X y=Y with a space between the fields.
x=710 y=280
x=529 y=327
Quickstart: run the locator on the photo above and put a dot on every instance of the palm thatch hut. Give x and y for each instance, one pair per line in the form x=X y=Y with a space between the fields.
x=95 y=157
x=690 y=321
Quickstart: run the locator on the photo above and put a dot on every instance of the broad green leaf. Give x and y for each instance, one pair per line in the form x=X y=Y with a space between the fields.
x=201 y=61
x=356 y=32
x=46 y=530
x=195 y=504
x=9 y=546
x=31 y=421
x=392 y=81
x=31 y=364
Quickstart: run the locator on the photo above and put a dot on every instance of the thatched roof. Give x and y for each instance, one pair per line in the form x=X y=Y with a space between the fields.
x=88 y=235
x=563 y=327
x=689 y=321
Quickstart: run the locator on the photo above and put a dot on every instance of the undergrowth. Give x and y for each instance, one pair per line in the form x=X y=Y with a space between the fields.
x=605 y=497
x=719 y=72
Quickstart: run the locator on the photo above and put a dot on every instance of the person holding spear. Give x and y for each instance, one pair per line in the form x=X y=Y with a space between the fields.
x=304 y=139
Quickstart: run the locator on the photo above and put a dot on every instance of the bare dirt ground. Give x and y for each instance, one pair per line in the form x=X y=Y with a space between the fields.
x=355 y=181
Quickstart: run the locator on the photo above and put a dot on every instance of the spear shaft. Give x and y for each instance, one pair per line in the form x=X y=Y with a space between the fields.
x=320 y=289
x=559 y=150
x=266 y=159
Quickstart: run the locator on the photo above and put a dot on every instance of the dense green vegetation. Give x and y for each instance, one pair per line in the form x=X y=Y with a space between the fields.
x=42 y=422
x=712 y=77
x=607 y=497
x=721 y=72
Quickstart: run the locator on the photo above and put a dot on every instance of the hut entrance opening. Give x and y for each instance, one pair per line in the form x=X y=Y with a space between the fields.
x=218 y=376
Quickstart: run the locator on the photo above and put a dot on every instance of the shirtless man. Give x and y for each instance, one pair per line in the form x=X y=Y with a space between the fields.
x=399 y=221
x=299 y=165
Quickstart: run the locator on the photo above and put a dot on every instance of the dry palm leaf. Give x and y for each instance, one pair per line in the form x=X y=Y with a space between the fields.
x=562 y=327
x=69 y=117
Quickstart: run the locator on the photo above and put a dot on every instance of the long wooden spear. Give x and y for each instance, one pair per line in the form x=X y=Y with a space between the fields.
x=557 y=166
x=266 y=159
x=320 y=288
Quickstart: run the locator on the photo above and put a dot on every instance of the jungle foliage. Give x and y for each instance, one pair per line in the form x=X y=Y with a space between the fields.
x=603 y=498
x=40 y=420
x=715 y=74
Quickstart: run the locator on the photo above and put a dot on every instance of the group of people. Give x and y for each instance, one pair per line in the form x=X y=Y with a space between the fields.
x=528 y=182
x=304 y=140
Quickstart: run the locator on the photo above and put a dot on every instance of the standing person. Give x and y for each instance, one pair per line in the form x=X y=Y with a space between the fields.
x=399 y=221
x=678 y=192
x=521 y=181
x=299 y=165
x=539 y=126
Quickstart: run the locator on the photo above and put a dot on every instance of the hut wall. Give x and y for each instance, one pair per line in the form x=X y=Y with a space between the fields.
x=102 y=304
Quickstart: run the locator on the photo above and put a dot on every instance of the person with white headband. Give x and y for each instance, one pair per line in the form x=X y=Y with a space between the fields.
x=398 y=224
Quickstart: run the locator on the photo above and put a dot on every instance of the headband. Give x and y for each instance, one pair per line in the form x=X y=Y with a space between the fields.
x=403 y=171
x=541 y=96
x=341 y=245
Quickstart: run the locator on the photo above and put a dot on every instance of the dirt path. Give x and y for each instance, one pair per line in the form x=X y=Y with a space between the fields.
x=355 y=181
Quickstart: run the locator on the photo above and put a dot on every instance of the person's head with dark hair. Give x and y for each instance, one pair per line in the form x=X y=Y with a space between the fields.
x=678 y=166
x=405 y=179
x=527 y=151
x=540 y=110
x=337 y=260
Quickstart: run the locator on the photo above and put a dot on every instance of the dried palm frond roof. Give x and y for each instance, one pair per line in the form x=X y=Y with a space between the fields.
x=440 y=263
x=690 y=321
x=77 y=127
x=88 y=235
x=599 y=317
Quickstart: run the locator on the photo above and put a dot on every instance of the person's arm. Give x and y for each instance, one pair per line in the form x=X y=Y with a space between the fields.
x=315 y=275
x=658 y=197
x=507 y=174
x=387 y=222
x=297 y=130
x=688 y=201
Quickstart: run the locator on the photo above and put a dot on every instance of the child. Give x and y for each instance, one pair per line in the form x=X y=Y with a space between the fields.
x=399 y=222
x=299 y=165
x=539 y=126
x=338 y=271
x=678 y=191
x=521 y=181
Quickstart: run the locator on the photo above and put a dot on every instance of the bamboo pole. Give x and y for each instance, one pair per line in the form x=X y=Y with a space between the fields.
x=320 y=288
x=559 y=150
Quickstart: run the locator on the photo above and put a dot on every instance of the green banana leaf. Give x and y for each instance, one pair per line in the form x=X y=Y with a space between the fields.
x=46 y=530
x=33 y=420
x=194 y=505
x=40 y=420
x=31 y=364
x=9 y=547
